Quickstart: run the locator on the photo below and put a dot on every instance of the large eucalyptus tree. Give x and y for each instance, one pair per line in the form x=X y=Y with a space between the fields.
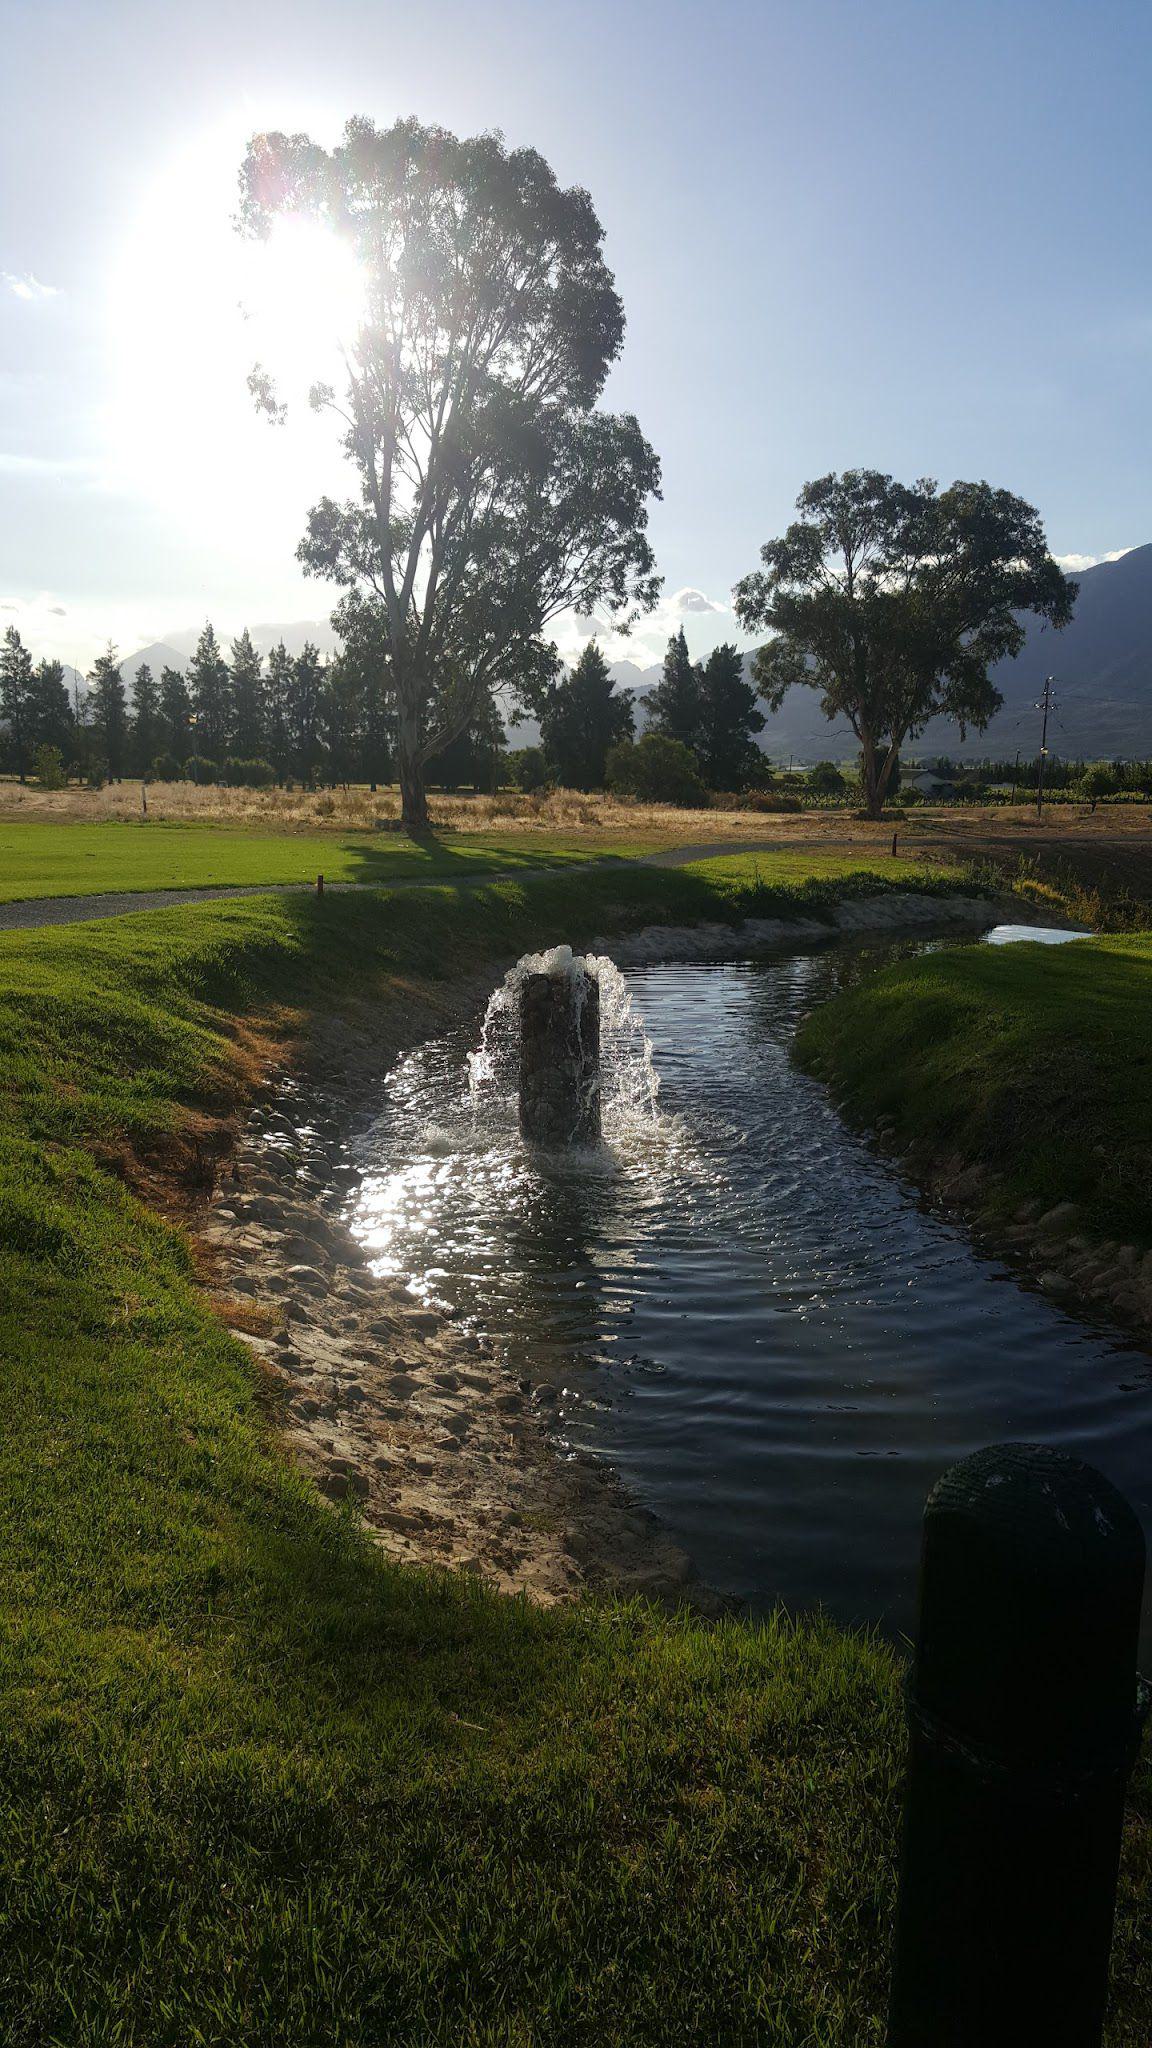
x=493 y=493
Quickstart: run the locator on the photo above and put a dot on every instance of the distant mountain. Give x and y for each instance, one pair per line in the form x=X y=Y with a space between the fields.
x=319 y=631
x=176 y=649
x=1102 y=665
x=161 y=654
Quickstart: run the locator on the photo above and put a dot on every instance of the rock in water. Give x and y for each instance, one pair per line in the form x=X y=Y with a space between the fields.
x=560 y=1057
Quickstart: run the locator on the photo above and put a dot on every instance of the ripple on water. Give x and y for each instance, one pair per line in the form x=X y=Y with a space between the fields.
x=761 y=1325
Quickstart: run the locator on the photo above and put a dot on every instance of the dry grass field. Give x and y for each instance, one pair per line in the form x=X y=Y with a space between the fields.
x=1108 y=851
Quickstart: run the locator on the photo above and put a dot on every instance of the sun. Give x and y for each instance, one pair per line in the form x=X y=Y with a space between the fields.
x=304 y=298
x=192 y=306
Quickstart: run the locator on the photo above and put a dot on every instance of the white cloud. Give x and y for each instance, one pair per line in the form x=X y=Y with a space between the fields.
x=70 y=633
x=1073 y=564
x=29 y=287
x=705 y=620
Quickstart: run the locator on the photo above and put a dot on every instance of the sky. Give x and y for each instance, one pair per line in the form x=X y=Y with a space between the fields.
x=908 y=235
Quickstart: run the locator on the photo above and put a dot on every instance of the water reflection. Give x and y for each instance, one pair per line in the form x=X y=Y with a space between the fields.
x=738 y=1302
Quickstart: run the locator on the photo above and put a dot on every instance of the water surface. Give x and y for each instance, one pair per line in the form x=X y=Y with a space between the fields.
x=738 y=1303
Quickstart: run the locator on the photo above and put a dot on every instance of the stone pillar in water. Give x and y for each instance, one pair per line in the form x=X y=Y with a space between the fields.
x=560 y=1058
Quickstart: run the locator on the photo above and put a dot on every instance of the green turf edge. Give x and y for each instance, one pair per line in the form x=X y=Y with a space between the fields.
x=1030 y=1060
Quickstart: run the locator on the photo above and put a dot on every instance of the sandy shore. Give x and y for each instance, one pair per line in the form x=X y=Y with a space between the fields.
x=446 y=1455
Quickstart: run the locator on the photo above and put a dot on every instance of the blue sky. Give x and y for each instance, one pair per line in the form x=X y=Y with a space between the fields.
x=914 y=236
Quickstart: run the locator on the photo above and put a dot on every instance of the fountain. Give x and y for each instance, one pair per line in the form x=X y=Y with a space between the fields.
x=560 y=1055
x=562 y=1040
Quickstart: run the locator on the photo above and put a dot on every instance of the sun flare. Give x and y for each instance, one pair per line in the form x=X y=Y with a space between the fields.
x=193 y=306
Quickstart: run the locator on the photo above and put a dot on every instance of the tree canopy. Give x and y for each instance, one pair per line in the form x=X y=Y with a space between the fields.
x=109 y=704
x=894 y=601
x=674 y=703
x=728 y=719
x=583 y=717
x=16 y=696
x=493 y=495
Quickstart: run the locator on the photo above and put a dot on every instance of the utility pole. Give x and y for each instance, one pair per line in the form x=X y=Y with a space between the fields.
x=1045 y=705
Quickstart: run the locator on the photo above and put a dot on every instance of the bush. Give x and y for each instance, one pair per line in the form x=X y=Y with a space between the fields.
x=48 y=768
x=248 y=774
x=165 y=768
x=767 y=800
x=825 y=779
x=97 y=773
x=1097 y=781
x=198 y=768
x=657 y=771
x=528 y=769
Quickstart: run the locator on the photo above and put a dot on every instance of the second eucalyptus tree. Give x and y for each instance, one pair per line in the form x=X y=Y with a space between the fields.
x=894 y=601
x=493 y=493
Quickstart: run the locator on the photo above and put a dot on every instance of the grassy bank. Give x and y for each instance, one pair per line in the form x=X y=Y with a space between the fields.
x=1031 y=1060
x=258 y=1786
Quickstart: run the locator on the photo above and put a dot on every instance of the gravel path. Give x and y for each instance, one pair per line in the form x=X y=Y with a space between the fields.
x=682 y=856
x=31 y=912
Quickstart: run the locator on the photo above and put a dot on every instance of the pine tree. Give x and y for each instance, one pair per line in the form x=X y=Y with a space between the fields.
x=364 y=674
x=343 y=720
x=210 y=688
x=110 y=711
x=52 y=721
x=305 y=713
x=728 y=719
x=277 y=700
x=474 y=759
x=674 y=704
x=583 y=718
x=248 y=736
x=147 y=724
x=15 y=697
x=175 y=715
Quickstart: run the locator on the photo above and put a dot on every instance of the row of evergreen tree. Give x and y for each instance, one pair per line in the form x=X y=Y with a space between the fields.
x=709 y=707
x=312 y=719
x=304 y=716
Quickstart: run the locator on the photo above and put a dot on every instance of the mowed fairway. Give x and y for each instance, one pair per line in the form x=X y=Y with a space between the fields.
x=50 y=859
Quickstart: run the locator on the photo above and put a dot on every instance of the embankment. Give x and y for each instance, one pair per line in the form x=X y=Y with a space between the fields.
x=1016 y=1083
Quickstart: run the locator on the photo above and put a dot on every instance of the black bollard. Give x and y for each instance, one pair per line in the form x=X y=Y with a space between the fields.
x=1024 y=1718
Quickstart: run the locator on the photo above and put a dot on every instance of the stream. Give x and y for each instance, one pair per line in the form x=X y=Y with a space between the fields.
x=736 y=1302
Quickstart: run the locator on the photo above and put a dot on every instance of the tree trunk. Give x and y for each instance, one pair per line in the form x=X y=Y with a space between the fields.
x=876 y=774
x=870 y=777
x=413 y=796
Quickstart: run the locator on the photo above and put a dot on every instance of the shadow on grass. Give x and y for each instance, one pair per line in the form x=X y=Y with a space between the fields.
x=427 y=857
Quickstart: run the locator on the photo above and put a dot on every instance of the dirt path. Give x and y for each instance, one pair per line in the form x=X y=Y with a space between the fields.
x=28 y=913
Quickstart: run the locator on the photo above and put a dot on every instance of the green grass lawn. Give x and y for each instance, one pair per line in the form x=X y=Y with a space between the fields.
x=806 y=871
x=1031 y=1059
x=45 y=858
x=256 y=1784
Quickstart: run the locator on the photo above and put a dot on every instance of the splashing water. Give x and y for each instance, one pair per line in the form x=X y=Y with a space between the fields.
x=628 y=1079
